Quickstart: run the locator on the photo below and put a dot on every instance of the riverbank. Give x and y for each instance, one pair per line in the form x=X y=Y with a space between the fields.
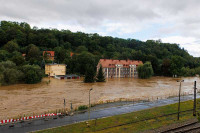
x=96 y=113
x=135 y=121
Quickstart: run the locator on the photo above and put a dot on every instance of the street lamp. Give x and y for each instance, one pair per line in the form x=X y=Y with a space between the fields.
x=89 y=104
x=179 y=98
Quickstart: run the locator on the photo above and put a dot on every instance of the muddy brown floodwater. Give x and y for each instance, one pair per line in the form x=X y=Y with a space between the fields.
x=20 y=99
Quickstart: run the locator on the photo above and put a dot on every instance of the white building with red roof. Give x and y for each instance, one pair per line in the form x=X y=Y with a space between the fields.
x=119 y=68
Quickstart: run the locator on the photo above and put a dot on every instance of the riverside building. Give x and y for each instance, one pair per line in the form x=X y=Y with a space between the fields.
x=55 y=69
x=119 y=68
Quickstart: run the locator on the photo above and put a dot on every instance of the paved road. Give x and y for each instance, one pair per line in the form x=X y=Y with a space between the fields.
x=42 y=124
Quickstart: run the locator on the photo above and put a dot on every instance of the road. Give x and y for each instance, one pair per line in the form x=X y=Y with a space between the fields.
x=95 y=114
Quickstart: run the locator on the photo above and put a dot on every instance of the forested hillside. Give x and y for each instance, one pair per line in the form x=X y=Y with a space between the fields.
x=19 y=38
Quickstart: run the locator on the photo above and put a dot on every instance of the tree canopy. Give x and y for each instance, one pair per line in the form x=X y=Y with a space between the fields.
x=145 y=70
x=19 y=38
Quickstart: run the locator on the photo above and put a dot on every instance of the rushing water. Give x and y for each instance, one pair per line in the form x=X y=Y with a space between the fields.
x=20 y=99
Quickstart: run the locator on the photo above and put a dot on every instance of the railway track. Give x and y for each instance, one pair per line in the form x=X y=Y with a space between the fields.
x=193 y=127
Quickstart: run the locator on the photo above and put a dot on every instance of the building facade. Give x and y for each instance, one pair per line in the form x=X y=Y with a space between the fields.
x=55 y=69
x=119 y=68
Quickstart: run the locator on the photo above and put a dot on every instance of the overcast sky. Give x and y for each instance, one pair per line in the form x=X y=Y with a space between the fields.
x=174 y=21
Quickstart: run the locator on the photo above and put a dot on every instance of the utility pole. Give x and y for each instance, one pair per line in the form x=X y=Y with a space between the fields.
x=179 y=100
x=71 y=107
x=194 y=110
x=64 y=107
x=89 y=104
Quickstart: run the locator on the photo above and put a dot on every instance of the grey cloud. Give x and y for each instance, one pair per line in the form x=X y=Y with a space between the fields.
x=95 y=13
x=84 y=12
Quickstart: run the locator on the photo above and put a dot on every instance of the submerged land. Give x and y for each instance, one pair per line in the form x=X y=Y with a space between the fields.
x=23 y=99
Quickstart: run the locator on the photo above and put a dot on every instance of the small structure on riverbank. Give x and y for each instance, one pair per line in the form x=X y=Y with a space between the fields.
x=55 y=69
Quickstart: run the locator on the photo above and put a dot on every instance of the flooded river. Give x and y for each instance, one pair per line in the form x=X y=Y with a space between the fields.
x=20 y=99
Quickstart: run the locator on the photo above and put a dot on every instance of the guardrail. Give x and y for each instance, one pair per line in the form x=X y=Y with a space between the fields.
x=29 y=118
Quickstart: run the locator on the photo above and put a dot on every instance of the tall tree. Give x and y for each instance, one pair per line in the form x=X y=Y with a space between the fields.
x=11 y=46
x=100 y=75
x=177 y=63
x=166 y=67
x=145 y=71
x=33 y=52
x=89 y=75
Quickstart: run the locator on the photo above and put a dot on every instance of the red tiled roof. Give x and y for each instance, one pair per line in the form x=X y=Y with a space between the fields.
x=71 y=54
x=52 y=53
x=109 y=63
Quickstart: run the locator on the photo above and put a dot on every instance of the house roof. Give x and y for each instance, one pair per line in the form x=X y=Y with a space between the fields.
x=52 y=53
x=109 y=63
x=71 y=54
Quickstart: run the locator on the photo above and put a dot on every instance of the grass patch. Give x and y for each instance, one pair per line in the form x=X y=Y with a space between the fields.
x=82 y=107
x=132 y=118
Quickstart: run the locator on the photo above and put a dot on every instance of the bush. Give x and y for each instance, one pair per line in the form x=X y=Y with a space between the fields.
x=82 y=107
x=12 y=76
x=187 y=72
x=18 y=60
x=32 y=74
x=145 y=71
x=9 y=74
x=197 y=70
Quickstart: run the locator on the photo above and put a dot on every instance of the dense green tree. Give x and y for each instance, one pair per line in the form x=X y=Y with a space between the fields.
x=9 y=73
x=177 y=62
x=1 y=78
x=145 y=71
x=81 y=49
x=187 y=72
x=33 y=53
x=3 y=39
x=32 y=74
x=154 y=62
x=60 y=54
x=11 y=46
x=4 y=55
x=18 y=60
x=12 y=76
x=100 y=75
x=79 y=62
x=166 y=67
x=89 y=74
x=92 y=45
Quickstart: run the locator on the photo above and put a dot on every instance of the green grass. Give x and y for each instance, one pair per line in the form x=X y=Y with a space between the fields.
x=98 y=125
x=82 y=107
